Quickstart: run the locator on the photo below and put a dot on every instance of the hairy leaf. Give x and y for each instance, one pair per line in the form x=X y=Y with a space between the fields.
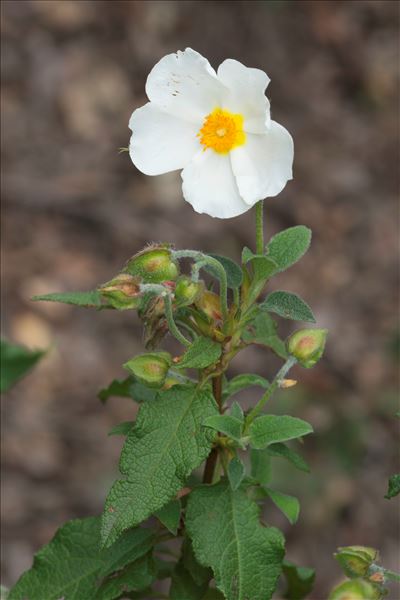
x=166 y=444
x=288 y=246
x=227 y=536
x=122 y=428
x=269 y=429
x=72 y=566
x=393 y=486
x=90 y=299
x=118 y=387
x=236 y=472
x=288 y=306
x=202 y=353
x=237 y=411
x=290 y=455
x=16 y=361
x=170 y=515
x=260 y=465
x=199 y=573
x=300 y=581
x=289 y=505
x=263 y=330
x=226 y=424
x=233 y=272
x=241 y=382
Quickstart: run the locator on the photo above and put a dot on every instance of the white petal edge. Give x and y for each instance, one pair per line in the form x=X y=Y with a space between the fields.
x=161 y=142
x=210 y=187
x=263 y=165
x=184 y=84
x=246 y=94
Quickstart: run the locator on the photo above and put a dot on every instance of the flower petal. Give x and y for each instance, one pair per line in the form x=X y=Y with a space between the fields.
x=210 y=187
x=184 y=84
x=263 y=165
x=161 y=142
x=246 y=94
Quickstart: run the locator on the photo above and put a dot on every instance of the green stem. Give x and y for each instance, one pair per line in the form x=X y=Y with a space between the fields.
x=260 y=227
x=216 y=265
x=264 y=399
x=171 y=323
x=391 y=575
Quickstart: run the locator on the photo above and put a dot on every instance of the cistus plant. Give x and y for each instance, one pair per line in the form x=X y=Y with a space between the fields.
x=195 y=467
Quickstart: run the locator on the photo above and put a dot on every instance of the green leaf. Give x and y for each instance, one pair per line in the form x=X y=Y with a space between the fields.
x=127 y=388
x=393 y=486
x=16 y=361
x=241 y=382
x=202 y=353
x=72 y=566
x=226 y=424
x=268 y=429
x=134 y=577
x=263 y=330
x=247 y=255
x=170 y=515
x=233 y=272
x=290 y=455
x=288 y=246
x=300 y=581
x=167 y=443
x=199 y=573
x=183 y=586
x=122 y=428
x=236 y=472
x=90 y=299
x=260 y=465
x=237 y=411
x=213 y=594
x=289 y=505
x=118 y=387
x=227 y=536
x=288 y=306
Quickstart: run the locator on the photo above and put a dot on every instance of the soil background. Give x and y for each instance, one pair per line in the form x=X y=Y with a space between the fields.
x=74 y=210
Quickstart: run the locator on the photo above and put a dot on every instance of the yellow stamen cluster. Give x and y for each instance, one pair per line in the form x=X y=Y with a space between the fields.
x=222 y=131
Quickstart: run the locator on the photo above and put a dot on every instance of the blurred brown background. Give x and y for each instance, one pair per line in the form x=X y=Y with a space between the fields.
x=74 y=210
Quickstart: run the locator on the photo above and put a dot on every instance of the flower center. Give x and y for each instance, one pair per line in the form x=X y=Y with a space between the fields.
x=222 y=131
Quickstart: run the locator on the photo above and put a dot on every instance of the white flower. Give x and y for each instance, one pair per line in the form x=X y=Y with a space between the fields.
x=215 y=126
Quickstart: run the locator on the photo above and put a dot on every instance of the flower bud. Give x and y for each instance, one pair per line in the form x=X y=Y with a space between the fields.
x=150 y=369
x=307 y=345
x=122 y=292
x=187 y=291
x=356 y=560
x=356 y=589
x=210 y=304
x=153 y=264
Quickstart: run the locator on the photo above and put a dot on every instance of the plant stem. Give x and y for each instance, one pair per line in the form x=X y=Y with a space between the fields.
x=391 y=575
x=171 y=323
x=213 y=456
x=260 y=227
x=264 y=399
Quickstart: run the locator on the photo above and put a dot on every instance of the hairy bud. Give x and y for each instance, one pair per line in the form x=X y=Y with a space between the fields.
x=356 y=589
x=356 y=560
x=150 y=369
x=210 y=304
x=307 y=345
x=122 y=292
x=187 y=291
x=153 y=264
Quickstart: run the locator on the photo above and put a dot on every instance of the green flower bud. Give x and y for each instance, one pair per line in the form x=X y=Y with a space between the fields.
x=307 y=345
x=356 y=589
x=210 y=304
x=187 y=291
x=356 y=560
x=153 y=264
x=122 y=292
x=150 y=369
